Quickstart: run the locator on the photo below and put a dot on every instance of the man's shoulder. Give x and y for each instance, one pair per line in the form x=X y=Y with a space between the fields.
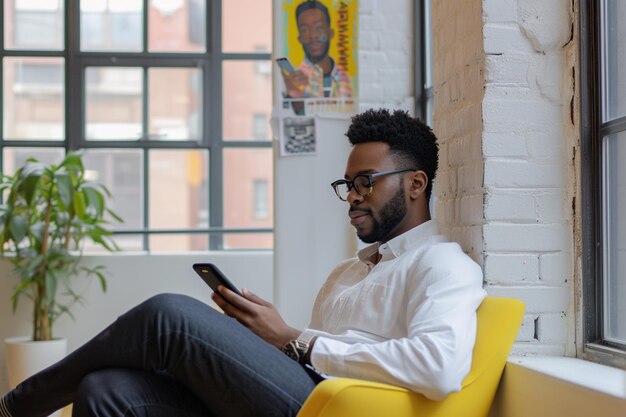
x=442 y=257
x=345 y=264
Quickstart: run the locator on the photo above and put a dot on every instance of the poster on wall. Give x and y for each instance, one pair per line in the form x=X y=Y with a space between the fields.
x=318 y=59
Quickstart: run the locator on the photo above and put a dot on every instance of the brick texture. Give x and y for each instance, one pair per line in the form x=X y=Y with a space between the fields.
x=502 y=93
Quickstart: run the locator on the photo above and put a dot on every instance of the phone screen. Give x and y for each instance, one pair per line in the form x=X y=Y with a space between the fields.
x=285 y=65
x=214 y=277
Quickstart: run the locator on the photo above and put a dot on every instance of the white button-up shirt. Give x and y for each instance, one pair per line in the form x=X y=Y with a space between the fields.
x=409 y=320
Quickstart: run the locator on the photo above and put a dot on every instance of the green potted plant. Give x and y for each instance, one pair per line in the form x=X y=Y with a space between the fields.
x=49 y=213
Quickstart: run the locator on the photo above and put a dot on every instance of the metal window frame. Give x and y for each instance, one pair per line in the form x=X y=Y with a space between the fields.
x=595 y=347
x=211 y=62
x=424 y=92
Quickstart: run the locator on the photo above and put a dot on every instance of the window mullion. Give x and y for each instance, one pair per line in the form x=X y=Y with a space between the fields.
x=146 y=198
x=74 y=76
x=215 y=130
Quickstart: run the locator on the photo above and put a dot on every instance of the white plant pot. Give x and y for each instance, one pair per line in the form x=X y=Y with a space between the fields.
x=25 y=357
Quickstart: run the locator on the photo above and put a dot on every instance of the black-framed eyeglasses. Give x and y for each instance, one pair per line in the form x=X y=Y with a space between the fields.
x=363 y=183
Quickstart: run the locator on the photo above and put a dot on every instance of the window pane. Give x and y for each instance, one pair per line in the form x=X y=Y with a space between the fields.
x=614 y=59
x=121 y=171
x=247 y=99
x=177 y=25
x=179 y=242
x=178 y=189
x=33 y=99
x=13 y=158
x=111 y=25
x=239 y=241
x=114 y=103
x=238 y=17
x=130 y=242
x=175 y=97
x=615 y=237
x=33 y=24
x=244 y=170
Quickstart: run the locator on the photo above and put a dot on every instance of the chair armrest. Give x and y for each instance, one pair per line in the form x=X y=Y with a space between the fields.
x=345 y=397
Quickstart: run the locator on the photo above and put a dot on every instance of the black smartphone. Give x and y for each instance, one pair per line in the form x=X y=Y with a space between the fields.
x=214 y=277
x=284 y=64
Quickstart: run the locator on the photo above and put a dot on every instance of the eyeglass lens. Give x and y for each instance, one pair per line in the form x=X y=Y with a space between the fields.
x=361 y=183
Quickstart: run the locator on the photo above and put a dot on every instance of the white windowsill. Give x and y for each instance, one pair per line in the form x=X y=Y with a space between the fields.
x=589 y=375
x=559 y=387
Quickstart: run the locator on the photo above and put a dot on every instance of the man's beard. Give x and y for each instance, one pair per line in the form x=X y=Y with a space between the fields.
x=390 y=216
x=318 y=58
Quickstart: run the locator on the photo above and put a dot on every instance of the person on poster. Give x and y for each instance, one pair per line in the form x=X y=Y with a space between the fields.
x=318 y=75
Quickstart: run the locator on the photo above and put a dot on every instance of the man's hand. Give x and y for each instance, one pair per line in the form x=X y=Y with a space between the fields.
x=256 y=314
x=296 y=83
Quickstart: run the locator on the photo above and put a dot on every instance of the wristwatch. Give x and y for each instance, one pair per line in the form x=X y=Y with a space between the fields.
x=297 y=349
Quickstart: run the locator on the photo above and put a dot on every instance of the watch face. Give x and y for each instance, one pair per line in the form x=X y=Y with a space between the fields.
x=291 y=350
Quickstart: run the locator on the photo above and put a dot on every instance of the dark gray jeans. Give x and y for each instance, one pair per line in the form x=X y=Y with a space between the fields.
x=169 y=356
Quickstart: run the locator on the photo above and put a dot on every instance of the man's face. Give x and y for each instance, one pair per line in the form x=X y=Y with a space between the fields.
x=314 y=34
x=382 y=215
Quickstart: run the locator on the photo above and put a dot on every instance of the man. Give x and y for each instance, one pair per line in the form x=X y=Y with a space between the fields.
x=318 y=75
x=402 y=312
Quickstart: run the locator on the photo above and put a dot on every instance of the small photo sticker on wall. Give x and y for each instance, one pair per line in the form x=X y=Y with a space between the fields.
x=298 y=136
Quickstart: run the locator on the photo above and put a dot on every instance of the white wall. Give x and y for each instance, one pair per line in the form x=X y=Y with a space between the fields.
x=386 y=59
x=312 y=228
x=528 y=149
x=312 y=232
x=507 y=193
x=458 y=79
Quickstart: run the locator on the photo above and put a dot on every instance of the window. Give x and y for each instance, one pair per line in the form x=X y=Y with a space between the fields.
x=424 y=89
x=164 y=97
x=260 y=126
x=261 y=199
x=603 y=150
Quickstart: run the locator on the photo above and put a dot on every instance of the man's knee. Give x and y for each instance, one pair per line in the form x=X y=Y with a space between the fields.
x=165 y=301
x=164 y=306
x=98 y=395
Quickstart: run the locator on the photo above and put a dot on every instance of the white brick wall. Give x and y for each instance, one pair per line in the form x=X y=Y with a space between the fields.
x=510 y=57
x=503 y=85
x=458 y=78
x=386 y=67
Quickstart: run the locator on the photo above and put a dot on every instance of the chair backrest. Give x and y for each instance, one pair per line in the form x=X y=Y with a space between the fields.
x=499 y=320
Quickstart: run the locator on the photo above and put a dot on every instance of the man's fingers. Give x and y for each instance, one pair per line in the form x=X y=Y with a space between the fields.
x=255 y=299
x=222 y=303
x=234 y=299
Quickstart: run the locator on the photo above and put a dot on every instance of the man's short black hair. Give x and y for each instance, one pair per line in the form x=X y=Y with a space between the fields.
x=410 y=140
x=310 y=5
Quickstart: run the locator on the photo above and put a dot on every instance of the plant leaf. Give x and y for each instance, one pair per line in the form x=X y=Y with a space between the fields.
x=95 y=199
x=102 y=279
x=27 y=184
x=115 y=215
x=25 y=284
x=18 y=227
x=79 y=204
x=65 y=188
x=73 y=160
x=51 y=285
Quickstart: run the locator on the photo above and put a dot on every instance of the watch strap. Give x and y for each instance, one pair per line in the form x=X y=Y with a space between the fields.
x=298 y=348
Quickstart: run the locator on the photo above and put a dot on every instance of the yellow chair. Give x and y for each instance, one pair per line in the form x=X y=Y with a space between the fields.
x=499 y=320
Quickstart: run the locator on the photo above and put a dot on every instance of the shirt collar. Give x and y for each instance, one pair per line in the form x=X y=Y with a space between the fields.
x=408 y=240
